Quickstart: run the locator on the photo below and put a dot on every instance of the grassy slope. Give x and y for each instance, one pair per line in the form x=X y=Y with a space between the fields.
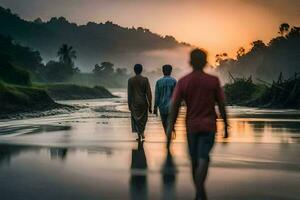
x=72 y=92
x=15 y=99
x=23 y=99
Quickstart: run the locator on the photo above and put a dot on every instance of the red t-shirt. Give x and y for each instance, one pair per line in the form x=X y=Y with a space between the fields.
x=200 y=91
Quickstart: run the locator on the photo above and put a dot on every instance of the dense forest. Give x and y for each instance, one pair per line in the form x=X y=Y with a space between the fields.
x=93 y=41
x=267 y=75
x=265 y=61
x=27 y=85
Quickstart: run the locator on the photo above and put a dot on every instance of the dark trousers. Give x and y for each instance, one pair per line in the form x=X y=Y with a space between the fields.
x=164 y=120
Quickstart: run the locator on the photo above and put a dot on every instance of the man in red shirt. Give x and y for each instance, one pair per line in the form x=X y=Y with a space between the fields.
x=200 y=92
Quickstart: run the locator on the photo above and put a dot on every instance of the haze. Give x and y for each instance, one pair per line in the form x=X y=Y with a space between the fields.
x=218 y=26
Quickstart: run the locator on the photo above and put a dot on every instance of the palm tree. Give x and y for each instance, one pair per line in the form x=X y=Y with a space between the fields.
x=284 y=29
x=66 y=54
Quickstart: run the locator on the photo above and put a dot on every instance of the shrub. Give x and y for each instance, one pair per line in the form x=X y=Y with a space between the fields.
x=14 y=75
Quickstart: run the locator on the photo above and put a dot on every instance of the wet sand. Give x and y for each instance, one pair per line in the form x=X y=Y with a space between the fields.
x=91 y=154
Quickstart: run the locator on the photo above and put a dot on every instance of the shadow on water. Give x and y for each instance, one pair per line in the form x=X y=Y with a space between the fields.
x=58 y=153
x=169 y=178
x=138 y=178
x=8 y=152
x=32 y=129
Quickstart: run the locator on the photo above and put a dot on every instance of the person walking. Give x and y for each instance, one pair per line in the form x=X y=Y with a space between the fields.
x=163 y=92
x=201 y=92
x=139 y=98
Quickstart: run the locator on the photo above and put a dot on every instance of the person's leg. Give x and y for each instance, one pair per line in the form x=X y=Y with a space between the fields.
x=192 y=146
x=134 y=127
x=205 y=144
x=200 y=177
x=142 y=136
x=164 y=120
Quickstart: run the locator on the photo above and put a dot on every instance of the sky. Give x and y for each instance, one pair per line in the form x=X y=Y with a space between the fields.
x=215 y=25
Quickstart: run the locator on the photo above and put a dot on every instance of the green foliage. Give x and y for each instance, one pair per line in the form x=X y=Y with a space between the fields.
x=23 y=99
x=91 y=40
x=105 y=74
x=62 y=70
x=242 y=90
x=266 y=61
x=279 y=94
x=14 y=75
x=57 y=71
x=66 y=55
x=71 y=91
x=105 y=69
x=20 y=56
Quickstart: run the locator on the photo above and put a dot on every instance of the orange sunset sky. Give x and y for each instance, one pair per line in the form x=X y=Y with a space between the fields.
x=216 y=25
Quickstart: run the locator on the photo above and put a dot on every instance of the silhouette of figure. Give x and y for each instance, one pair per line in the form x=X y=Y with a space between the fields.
x=58 y=153
x=169 y=178
x=200 y=92
x=138 y=179
x=139 y=101
x=163 y=92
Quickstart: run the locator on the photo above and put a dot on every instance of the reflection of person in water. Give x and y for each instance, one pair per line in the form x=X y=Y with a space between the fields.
x=138 y=179
x=169 y=178
x=60 y=153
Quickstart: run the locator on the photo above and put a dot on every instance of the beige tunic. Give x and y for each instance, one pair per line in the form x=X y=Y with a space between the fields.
x=139 y=101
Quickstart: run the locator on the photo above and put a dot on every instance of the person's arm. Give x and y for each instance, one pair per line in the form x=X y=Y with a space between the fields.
x=223 y=113
x=174 y=110
x=149 y=95
x=157 y=97
x=129 y=95
x=222 y=108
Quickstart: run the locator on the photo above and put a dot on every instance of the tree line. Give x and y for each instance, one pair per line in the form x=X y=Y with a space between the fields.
x=265 y=61
x=19 y=64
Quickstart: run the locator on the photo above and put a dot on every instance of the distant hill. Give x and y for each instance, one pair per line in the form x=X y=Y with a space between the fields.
x=93 y=42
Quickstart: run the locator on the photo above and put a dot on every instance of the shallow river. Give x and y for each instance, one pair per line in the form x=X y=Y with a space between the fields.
x=91 y=154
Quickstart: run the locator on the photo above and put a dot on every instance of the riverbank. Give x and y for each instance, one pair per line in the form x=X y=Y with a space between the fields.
x=40 y=100
x=92 y=154
x=281 y=94
x=21 y=101
x=75 y=92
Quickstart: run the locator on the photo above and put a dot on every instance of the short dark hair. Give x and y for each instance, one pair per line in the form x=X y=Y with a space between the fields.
x=138 y=68
x=198 y=58
x=167 y=70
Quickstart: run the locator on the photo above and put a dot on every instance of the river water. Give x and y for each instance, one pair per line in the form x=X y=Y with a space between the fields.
x=91 y=154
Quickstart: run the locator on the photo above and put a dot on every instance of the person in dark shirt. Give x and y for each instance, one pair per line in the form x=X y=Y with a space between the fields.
x=163 y=93
x=139 y=98
x=200 y=92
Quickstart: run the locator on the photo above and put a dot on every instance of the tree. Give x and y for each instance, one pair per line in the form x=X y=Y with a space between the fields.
x=220 y=58
x=121 y=71
x=241 y=52
x=12 y=74
x=66 y=54
x=105 y=69
x=97 y=69
x=38 y=21
x=64 y=68
x=284 y=29
x=257 y=45
x=56 y=71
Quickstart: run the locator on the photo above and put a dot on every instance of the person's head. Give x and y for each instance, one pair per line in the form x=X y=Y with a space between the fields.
x=167 y=70
x=138 y=68
x=198 y=59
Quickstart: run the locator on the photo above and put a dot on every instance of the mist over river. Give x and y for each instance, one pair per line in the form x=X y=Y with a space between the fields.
x=92 y=154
